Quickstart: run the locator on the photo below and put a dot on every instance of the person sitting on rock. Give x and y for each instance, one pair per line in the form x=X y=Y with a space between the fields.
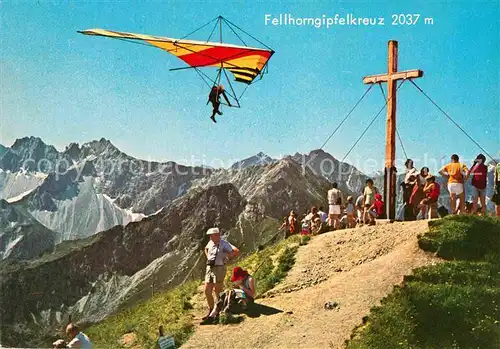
x=314 y=220
x=239 y=298
x=431 y=190
x=376 y=209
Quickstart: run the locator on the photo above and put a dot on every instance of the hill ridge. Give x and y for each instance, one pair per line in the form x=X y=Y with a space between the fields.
x=354 y=267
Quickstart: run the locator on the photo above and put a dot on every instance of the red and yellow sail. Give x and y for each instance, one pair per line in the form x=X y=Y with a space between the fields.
x=245 y=63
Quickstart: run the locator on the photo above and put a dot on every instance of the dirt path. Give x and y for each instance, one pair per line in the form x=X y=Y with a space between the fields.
x=355 y=268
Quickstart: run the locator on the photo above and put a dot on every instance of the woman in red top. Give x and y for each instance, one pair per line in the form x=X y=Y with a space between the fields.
x=376 y=210
x=479 y=173
x=432 y=191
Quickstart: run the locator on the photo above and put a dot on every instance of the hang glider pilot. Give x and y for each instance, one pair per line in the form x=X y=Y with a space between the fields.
x=214 y=98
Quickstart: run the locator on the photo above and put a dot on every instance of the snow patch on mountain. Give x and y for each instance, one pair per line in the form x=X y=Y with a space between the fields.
x=21 y=236
x=14 y=185
x=84 y=214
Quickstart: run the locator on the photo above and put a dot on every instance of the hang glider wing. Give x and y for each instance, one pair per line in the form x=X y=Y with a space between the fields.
x=245 y=63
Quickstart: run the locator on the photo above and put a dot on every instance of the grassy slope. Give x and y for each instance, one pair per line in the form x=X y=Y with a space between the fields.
x=172 y=309
x=451 y=305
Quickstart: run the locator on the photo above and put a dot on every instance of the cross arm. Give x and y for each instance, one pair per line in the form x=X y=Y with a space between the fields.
x=400 y=75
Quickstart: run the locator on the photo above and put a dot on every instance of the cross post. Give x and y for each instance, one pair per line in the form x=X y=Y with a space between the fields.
x=391 y=79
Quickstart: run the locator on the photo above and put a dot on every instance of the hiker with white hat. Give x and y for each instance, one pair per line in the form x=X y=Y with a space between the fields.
x=218 y=252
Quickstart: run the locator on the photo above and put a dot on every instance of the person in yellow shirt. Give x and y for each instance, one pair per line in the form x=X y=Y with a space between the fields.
x=457 y=174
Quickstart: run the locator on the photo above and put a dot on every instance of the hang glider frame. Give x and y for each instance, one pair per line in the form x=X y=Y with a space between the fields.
x=225 y=63
x=219 y=21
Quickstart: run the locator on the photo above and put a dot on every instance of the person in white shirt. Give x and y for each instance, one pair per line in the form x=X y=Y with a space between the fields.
x=334 y=202
x=217 y=251
x=78 y=339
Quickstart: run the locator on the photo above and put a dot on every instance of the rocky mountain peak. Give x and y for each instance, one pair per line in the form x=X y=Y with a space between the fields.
x=102 y=146
x=260 y=159
x=73 y=150
x=28 y=142
x=33 y=154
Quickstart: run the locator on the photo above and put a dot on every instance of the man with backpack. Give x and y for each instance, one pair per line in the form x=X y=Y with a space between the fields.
x=457 y=174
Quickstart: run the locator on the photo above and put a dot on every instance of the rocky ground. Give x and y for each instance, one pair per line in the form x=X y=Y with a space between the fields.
x=353 y=268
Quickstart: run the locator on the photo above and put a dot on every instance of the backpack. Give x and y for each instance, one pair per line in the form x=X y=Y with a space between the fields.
x=442 y=211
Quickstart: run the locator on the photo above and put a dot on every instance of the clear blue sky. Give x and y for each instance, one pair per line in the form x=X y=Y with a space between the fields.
x=65 y=87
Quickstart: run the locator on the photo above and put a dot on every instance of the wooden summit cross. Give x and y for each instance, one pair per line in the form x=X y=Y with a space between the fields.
x=391 y=78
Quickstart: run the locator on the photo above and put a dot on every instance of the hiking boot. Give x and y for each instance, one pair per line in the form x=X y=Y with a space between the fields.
x=211 y=320
x=208 y=314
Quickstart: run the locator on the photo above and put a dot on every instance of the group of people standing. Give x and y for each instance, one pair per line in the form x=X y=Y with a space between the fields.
x=421 y=190
x=342 y=213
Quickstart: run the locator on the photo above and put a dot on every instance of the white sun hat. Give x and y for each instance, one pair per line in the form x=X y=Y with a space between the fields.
x=213 y=231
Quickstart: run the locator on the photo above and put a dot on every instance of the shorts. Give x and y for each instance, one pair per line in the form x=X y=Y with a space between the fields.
x=215 y=274
x=360 y=213
x=456 y=188
x=478 y=193
x=334 y=209
x=373 y=213
x=428 y=201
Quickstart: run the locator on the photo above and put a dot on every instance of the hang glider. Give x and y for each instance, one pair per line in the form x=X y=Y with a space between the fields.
x=245 y=63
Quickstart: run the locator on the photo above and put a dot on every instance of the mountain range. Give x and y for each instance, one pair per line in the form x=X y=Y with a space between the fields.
x=87 y=231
